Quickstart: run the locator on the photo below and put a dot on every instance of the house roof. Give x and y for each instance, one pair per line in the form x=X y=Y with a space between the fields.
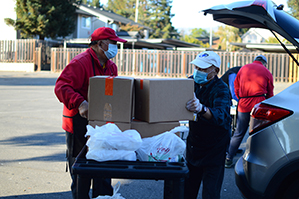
x=107 y=15
x=277 y=48
x=162 y=44
x=82 y=12
x=264 y=33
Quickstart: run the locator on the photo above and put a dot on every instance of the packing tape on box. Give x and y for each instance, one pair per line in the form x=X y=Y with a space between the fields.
x=141 y=84
x=109 y=86
x=107 y=112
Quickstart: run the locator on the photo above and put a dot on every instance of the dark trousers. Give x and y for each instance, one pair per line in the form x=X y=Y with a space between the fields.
x=75 y=142
x=241 y=129
x=211 y=178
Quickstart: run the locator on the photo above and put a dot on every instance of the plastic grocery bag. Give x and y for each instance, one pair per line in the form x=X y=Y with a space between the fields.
x=115 y=194
x=108 y=142
x=109 y=136
x=163 y=147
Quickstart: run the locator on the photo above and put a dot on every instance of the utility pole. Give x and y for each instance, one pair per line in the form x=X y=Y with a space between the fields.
x=211 y=37
x=136 y=11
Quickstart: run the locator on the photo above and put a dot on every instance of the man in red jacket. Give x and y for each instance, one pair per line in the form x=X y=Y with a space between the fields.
x=253 y=84
x=72 y=90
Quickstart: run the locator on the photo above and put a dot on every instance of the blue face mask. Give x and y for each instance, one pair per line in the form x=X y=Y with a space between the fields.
x=201 y=77
x=112 y=51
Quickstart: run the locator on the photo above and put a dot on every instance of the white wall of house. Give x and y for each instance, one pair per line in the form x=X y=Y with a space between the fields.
x=84 y=28
x=7 y=11
x=97 y=23
x=256 y=35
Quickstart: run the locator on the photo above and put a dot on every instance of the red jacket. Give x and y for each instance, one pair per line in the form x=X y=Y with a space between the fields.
x=252 y=81
x=71 y=87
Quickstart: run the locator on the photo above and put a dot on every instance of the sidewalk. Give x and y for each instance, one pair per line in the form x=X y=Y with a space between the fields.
x=32 y=144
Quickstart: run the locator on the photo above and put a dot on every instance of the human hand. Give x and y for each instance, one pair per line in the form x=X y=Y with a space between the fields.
x=83 y=109
x=194 y=105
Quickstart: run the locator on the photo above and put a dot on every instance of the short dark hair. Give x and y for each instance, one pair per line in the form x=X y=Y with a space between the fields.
x=261 y=60
x=93 y=43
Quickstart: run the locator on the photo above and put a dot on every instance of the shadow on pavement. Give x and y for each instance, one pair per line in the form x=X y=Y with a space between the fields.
x=39 y=139
x=64 y=195
x=23 y=81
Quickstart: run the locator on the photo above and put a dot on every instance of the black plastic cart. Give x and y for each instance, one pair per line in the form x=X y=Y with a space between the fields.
x=173 y=173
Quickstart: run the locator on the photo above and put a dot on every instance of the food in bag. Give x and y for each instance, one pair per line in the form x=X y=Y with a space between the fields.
x=108 y=142
x=165 y=147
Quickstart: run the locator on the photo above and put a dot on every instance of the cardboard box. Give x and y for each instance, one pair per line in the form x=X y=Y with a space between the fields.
x=163 y=99
x=146 y=129
x=110 y=98
x=121 y=125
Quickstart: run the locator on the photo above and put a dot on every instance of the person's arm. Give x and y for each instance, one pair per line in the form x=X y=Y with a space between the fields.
x=195 y=106
x=270 y=87
x=231 y=79
x=220 y=106
x=68 y=84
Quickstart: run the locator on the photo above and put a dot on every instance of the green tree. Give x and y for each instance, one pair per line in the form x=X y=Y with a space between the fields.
x=155 y=14
x=127 y=9
x=193 y=36
x=199 y=32
x=273 y=40
x=124 y=8
x=294 y=7
x=190 y=39
x=228 y=34
x=160 y=20
x=95 y=3
x=51 y=18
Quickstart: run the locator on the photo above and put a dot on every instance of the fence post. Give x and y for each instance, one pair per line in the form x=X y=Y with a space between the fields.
x=53 y=60
x=158 y=63
x=39 y=56
x=183 y=64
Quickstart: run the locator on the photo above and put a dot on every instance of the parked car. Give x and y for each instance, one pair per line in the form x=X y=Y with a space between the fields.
x=269 y=167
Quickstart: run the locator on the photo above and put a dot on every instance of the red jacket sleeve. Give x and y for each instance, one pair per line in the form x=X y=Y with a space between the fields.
x=270 y=86
x=69 y=87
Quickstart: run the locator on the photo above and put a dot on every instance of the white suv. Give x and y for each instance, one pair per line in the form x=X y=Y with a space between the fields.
x=269 y=168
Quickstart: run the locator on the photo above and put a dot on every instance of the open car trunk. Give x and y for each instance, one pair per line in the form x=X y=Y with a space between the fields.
x=259 y=14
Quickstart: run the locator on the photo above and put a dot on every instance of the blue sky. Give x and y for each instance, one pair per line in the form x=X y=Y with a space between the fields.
x=188 y=13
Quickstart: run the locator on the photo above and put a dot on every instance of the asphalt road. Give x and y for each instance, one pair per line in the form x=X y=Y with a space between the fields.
x=32 y=144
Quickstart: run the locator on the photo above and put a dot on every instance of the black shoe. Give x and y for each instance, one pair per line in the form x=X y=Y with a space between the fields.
x=240 y=151
x=228 y=163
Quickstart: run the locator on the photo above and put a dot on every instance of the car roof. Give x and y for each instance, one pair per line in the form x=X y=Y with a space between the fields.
x=258 y=14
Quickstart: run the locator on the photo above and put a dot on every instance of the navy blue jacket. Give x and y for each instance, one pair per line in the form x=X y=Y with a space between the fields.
x=208 y=139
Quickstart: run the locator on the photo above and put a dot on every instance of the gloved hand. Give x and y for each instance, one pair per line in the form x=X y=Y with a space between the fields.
x=194 y=105
x=83 y=109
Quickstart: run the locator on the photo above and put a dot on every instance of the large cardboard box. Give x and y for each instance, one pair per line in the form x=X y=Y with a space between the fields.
x=146 y=129
x=121 y=125
x=110 y=98
x=163 y=99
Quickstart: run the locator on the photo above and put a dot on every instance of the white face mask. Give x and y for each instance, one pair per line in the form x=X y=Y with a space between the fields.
x=112 y=51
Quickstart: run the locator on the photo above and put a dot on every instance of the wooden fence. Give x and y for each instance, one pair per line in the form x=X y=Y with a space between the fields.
x=150 y=63
x=28 y=51
x=169 y=63
x=18 y=51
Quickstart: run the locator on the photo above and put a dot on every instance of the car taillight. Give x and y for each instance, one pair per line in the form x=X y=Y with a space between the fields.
x=263 y=115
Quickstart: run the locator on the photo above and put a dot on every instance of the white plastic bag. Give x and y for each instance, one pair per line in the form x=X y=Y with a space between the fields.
x=163 y=147
x=101 y=154
x=109 y=136
x=115 y=194
x=108 y=142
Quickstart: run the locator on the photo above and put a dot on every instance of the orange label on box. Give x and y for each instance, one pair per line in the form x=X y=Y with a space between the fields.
x=109 y=86
x=141 y=84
